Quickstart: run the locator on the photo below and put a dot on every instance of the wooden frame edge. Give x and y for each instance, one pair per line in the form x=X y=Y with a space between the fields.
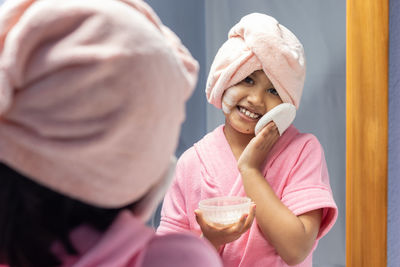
x=366 y=132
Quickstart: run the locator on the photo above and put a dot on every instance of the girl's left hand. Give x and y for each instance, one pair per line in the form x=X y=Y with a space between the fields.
x=255 y=153
x=219 y=235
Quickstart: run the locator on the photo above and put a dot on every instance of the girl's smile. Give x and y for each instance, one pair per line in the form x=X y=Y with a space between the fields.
x=248 y=114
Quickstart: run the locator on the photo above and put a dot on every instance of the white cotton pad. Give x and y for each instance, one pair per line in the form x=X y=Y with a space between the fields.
x=282 y=115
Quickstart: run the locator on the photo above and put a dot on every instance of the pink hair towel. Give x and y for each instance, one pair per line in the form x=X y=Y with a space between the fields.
x=259 y=42
x=92 y=96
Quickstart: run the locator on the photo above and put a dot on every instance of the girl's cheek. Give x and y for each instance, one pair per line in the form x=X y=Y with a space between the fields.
x=230 y=99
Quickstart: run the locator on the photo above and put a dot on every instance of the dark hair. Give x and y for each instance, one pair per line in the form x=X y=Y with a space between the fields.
x=33 y=217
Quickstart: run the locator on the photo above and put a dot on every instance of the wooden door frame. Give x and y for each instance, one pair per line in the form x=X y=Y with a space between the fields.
x=366 y=132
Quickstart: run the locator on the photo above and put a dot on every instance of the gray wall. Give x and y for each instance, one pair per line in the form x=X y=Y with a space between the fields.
x=186 y=19
x=393 y=255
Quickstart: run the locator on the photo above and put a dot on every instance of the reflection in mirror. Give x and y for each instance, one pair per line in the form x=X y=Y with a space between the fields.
x=320 y=26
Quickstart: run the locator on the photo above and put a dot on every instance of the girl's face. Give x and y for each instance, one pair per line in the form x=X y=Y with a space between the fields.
x=246 y=102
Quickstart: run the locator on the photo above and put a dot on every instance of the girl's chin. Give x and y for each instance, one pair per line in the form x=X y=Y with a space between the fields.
x=240 y=124
x=244 y=129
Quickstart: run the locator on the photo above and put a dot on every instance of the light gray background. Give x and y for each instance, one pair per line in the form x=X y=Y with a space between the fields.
x=320 y=25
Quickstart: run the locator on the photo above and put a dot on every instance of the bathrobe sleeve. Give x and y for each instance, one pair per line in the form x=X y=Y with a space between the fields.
x=307 y=187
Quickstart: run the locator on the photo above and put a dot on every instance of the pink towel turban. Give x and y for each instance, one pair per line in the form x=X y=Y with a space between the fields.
x=259 y=42
x=92 y=96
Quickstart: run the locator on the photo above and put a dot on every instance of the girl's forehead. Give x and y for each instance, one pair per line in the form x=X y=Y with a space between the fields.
x=258 y=72
x=261 y=76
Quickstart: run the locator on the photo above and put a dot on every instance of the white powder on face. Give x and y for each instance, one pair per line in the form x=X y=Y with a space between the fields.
x=230 y=100
x=226 y=108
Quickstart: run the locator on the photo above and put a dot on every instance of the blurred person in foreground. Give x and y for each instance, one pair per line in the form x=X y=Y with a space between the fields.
x=92 y=97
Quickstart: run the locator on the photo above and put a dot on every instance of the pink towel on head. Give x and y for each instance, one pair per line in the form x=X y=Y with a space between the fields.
x=92 y=96
x=259 y=42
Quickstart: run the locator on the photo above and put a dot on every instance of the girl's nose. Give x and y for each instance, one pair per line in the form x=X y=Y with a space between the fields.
x=256 y=96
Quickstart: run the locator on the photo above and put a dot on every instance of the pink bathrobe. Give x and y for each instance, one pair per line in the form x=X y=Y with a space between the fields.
x=295 y=169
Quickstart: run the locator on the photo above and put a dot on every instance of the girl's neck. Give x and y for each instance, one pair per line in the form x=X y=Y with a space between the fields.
x=236 y=140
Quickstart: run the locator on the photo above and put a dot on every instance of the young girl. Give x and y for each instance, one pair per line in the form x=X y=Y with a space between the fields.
x=260 y=66
x=92 y=97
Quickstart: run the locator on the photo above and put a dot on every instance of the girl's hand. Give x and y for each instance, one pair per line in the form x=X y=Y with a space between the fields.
x=255 y=153
x=219 y=235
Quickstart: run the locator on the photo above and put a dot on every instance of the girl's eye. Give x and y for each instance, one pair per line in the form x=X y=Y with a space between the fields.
x=272 y=91
x=249 y=80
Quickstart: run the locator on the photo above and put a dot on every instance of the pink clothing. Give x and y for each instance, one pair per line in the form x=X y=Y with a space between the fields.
x=128 y=242
x=295 y=169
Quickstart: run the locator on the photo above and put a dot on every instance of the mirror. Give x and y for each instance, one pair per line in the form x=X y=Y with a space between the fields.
x=321 y=27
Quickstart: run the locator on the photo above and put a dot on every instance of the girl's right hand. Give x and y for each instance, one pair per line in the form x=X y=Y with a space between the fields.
x=219 y=235
x=255 y=153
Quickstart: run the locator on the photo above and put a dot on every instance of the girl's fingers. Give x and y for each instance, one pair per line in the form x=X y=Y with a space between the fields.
x=204 y=224
x=238 y=227
x=269 y=127
x=251 y=217
x=272 y=125
x=269 y=134
x=200 y=219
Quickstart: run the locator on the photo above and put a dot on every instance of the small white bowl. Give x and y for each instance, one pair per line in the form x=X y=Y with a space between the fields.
x=224 y=210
